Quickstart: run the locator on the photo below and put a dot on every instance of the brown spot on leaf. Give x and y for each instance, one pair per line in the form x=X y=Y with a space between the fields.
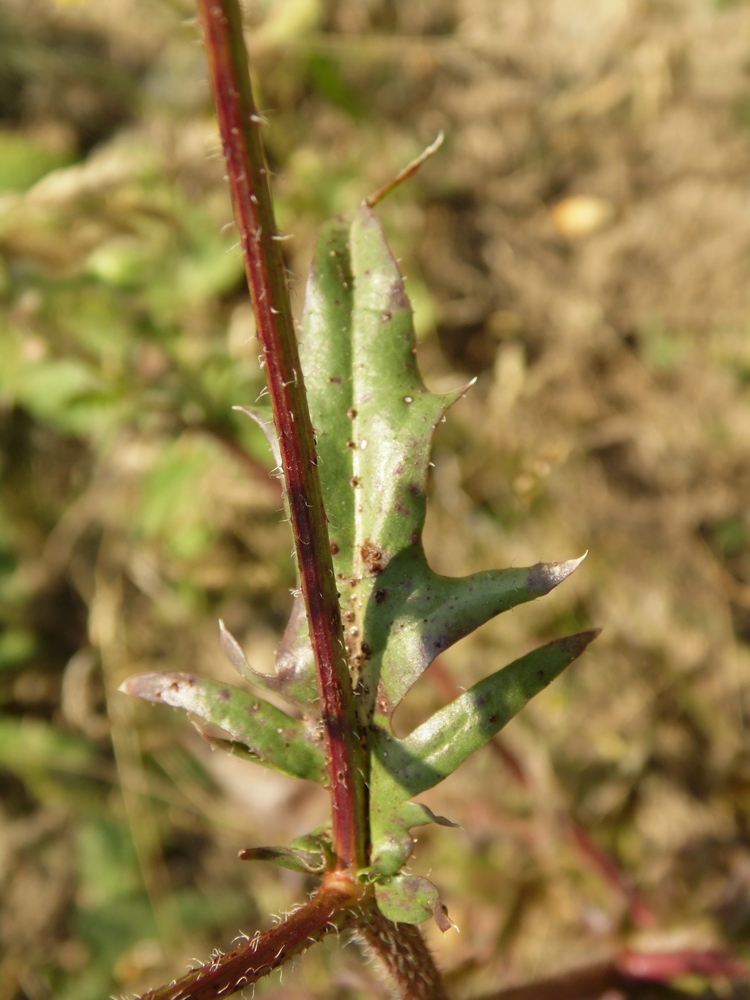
x=334 y=548
x=382 y=701
x=380 y=595
x=372 y=557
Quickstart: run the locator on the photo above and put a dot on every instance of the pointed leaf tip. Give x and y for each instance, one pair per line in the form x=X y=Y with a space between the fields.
x=544 y=577
x=233 y=652
x=296 y=860
x=581 y=640
x=436 y=748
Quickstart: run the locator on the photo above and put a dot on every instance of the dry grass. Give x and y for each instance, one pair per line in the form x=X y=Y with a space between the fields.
x=582 y=244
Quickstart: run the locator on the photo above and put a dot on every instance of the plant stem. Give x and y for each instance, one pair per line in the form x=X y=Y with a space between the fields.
x=257 y=957
x=402 y=951
x=625 y=971
x=578 y=984
x=239 y=125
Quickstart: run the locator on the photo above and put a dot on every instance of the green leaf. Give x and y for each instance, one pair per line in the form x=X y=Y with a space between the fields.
x=278 y=740
x=23 y=161
x=32 y=744
x=304 y=862
x=409 y=899
x=374 y=421
x=467 y=723
x=57 y=767
x=404 y=768
x=309 y=854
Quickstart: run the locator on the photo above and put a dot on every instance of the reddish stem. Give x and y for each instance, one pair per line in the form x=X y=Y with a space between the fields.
x=662 y=966
x=239 y=125
x=578 y=984
x=260 y=955
x=626 y=969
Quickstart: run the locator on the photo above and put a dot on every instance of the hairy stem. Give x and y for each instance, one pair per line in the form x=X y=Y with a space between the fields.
x=401 y=950
x=256 y=957
x=239 y=125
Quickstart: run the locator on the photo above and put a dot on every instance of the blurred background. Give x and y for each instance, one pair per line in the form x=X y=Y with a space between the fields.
x=581 y=244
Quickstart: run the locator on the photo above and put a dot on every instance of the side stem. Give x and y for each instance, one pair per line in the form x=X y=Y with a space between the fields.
x=256 y=957
x=239 y=125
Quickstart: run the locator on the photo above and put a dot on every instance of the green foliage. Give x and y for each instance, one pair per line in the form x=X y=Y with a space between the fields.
x=411 y=899
x=374 y=420
x=23 y=161
x=271 y=737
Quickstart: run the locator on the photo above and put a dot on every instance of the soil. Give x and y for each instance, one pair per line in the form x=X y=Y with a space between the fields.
x=581 y=246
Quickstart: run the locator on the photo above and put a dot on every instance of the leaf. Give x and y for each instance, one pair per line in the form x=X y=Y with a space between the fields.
x=309 y=854
x=304 y=862
x=410 y=899
x=296 y=686
x=404 y=768
x=278 y=740
x=467 y=723
x=374 y=421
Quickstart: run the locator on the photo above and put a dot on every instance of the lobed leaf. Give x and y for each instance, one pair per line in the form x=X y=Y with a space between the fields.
x=275 y=738
x=374 y=421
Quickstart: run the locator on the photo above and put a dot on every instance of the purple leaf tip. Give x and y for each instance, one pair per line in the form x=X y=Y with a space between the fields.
x=546 y=576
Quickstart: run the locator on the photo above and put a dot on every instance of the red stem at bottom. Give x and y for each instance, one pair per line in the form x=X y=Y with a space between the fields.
x=254 y=958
